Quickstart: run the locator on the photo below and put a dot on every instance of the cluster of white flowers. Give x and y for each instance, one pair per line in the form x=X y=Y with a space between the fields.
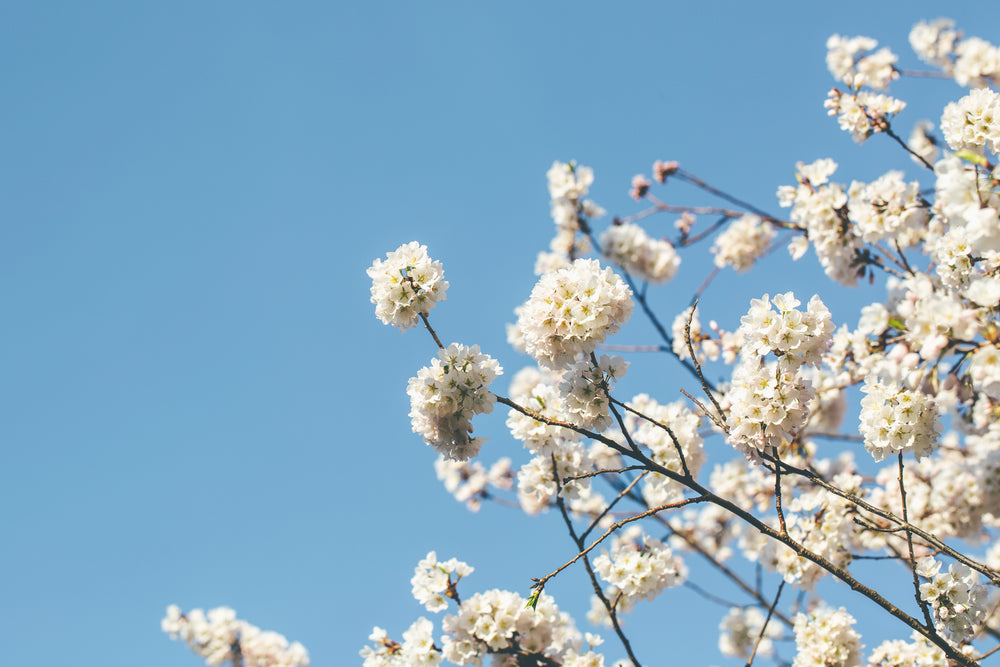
x=407 y=284
x=445 y=395
x=977 y=63
x=219 y=637
x=569 y=180
x=888 y=207
x=469 y=481
x=494 y=623
x=628 y=246
x=433 y=582
x=957 y=598
x=740 y=629
x=797 y=337
x=500 y=621
x=568 y=184
x=953 y=253
x=816 y=206
x=973 y=122
x=767 y=405
x=915 y=653
x=934 y=42
x=863 y=113
x=538 y=390
x=973 y=62
x=570 y=311
x=984 y=370
x=854 y=61
x=417 y=649
x=967 y=229
x=743 y=243
x=536 y=485
x=895 y=419
x=768 y=402
x=825 y=637
x=640 y=566
x=585 y=389
x=932 y=318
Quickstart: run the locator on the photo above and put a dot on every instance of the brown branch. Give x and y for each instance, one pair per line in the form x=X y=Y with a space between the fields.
x=427 y=323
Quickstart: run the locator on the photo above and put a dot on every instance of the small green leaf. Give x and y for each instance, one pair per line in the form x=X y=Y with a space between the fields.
x=975 y=158
x=897 y=323
x=533 y=599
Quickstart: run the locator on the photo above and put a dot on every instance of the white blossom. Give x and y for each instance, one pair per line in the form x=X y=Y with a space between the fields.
x=218 y=636
x=854 y=61
x=405 y=285
x=571 y=310
x=862 y=114
x=973 y=122
x=744 y=241
x=433 y=580
x=894 y=419
x=640 y=566
x=645 y=258
x=445 y=395
x=825 y=637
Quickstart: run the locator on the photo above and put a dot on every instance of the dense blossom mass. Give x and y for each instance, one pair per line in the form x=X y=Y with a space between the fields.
x=570 y=311
x=445 y=395
x=405 y=285
x=221 y=638
x=628 y=246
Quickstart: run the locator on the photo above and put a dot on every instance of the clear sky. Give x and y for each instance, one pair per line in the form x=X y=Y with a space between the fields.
x=199 y=406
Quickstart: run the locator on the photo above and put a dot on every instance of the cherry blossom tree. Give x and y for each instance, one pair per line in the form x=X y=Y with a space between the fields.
x=915 y=488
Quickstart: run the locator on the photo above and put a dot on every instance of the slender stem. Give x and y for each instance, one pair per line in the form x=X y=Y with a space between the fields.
x=909 y=547
x=708 y=389
x=540 y=583
x=427 y=323
x=693 y=180
x=664 y=427
x=888 y=131
x=763 y=629
x=625 y=492
x=777 y=498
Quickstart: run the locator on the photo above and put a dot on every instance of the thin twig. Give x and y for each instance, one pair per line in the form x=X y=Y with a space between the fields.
x=770 y=612
x=625 y=492
x=909 y=546
x=427 y=323
x=664 y=427
x=708 y=389
x=693 y=180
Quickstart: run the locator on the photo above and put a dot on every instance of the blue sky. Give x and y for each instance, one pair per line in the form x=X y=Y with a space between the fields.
x=200 y=407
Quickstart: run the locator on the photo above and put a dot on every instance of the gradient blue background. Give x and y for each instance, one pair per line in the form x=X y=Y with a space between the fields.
x=199 y=406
